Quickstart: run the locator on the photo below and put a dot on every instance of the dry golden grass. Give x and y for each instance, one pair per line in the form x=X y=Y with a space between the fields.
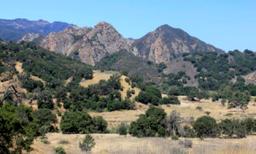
x=97 y=76
x=127 y=86
x=186 y=109
x=115 y=144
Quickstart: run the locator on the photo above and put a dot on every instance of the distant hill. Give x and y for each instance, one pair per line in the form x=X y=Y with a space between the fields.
x=13 y=30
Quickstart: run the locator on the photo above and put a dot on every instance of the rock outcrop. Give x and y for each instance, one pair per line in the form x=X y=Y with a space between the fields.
x=166 y=42
x=89 y=45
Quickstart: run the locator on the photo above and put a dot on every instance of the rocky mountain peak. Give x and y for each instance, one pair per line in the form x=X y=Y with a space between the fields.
x=89 y=45
x=165 y=42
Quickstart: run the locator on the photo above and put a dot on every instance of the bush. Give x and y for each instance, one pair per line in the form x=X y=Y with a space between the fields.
x=170 y=100
x=44 y=100
x=152 y=123
x=233 y=128
x=206 y=126
x=87 y=144
x=122 y=129
x=82 y=122
x=150 y=95
x=188 y=132
x=100 y=124
x=59 y=150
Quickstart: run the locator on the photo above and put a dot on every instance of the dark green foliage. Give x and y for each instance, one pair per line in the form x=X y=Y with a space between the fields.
x=206 y=126
x=234 y=95
x=122 y=129
x=59 y=150
x=44 y=100
x=19 y=126
x=150 y=95
x=44 y=118
x=124 y=61
x=150 y=124
x=216 y=70
x=30 y=84
x=82 y=122
x=233 y=128
x=100 y=125
x=170 y=100
x=87 y=144
x=50 y=67
x=101 y=96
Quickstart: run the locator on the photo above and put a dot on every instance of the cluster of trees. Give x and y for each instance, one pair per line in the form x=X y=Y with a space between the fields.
x=152 y=95
x=102 y=96
x=217 y=73
x=20 y=125
x=54 y=70
x=155 y=123
x=82 y=122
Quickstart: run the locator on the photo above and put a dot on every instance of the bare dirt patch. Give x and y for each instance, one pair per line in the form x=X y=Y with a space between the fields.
x=18 y=67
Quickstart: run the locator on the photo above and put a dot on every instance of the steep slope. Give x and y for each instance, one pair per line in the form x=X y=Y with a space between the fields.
x=87 y=44
x=124 y=61
x=13 y=30
x=167 y=42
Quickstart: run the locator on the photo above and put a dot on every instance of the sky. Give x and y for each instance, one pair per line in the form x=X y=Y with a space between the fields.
x=226 y=24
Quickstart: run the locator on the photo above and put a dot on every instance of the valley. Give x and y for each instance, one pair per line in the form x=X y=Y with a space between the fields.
x=79 y=90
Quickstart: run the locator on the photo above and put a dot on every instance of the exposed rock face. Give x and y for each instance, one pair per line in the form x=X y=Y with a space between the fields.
x=165 y=42
x=89 y=45
x=29 y=37
x=250 y=78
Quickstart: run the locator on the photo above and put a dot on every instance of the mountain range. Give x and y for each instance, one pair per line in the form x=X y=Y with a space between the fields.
x=13 y=30
x=91 y=44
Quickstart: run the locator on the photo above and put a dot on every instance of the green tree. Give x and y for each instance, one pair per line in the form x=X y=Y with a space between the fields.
x=152 y=123
x=206 y=126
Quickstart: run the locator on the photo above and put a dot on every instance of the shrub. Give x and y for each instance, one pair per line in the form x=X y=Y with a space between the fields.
x=122 y=129
x=205 y=126
x=170 y=100
x=44 y=117
x=44 y=100
x=233 y=128
x=150 y=95
x=87 y=144
x=82 y=122
x=152 y=123
x=188 y=132
x=100 y=124
x=59 y=150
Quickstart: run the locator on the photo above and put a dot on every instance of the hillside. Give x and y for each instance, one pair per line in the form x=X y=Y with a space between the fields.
x=135 y=67
x=14 y=30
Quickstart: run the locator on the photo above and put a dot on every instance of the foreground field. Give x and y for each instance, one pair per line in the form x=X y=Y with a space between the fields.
x=187 y=109
x=115 y=144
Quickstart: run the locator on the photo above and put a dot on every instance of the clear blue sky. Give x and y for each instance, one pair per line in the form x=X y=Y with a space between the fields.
x=227 y=24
